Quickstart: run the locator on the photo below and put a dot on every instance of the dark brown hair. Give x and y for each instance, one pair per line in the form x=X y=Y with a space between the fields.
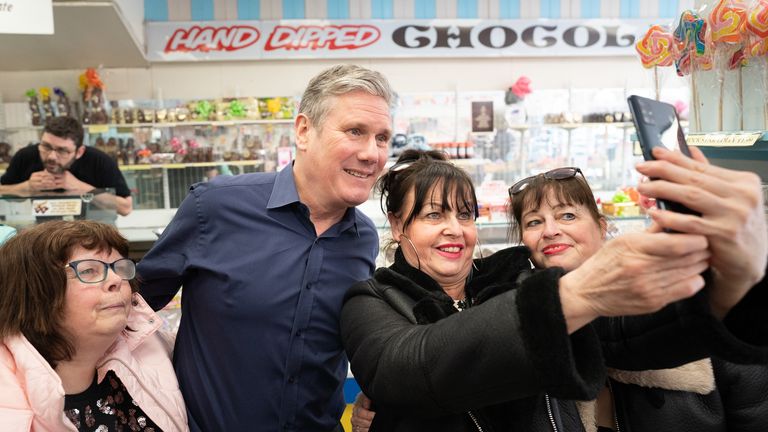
x=33 y=280
x=65 y=127
x=570 y=191
x=422 y=171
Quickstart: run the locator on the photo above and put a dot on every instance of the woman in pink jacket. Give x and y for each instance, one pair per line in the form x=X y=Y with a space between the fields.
x=81 y=350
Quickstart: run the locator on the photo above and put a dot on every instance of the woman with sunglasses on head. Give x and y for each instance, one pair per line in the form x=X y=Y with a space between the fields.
x=81 y=350
x=554 y=214
x=444 y=343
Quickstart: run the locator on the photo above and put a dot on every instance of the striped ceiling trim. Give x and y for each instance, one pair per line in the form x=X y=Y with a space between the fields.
x=231 y=10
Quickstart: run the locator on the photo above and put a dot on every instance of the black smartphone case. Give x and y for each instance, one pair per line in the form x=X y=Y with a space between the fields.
x=652 y=119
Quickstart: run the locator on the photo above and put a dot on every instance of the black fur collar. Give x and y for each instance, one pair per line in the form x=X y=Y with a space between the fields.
x=495 y=274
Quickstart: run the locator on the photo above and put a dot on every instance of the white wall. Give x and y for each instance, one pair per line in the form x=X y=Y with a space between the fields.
x=288 y=78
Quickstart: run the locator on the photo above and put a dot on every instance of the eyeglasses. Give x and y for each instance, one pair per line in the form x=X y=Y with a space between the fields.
x=95 y=271
x=47 y=148
x=555 y=174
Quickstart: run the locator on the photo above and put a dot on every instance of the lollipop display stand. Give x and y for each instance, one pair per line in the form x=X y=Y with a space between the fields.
x=721 y=48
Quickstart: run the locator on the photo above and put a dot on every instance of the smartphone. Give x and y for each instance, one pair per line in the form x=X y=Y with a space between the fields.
x=657 y=125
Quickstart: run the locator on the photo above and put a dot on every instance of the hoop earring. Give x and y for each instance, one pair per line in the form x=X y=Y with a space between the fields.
x=418 y=258
x=479 y=247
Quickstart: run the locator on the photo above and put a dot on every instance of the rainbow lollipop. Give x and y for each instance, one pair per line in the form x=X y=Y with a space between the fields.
x=757 y=26
x=757 y=21
x=691 y=37
x=656 y=47
x=728 y=19
x=690 y=40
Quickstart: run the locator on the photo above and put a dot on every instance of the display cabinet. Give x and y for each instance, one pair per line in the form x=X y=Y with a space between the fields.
x=23 y=211
x=160 y=161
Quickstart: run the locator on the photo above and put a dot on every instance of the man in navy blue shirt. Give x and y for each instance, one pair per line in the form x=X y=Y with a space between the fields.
x=265 y=260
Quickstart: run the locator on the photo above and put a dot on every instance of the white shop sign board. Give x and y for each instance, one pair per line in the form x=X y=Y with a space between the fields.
x=26 y=16
x=272 y=40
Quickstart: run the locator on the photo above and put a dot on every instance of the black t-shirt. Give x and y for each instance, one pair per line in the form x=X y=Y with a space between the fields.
x=94 y=167
x=107 y=406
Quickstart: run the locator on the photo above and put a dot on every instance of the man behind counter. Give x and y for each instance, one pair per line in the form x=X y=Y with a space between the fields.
x=62 y=163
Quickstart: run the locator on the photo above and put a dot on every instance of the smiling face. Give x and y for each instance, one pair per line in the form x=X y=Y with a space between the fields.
x=560 y=234
x=339 y=160
x=58 y=154
x=442 y=240
x=95 y=310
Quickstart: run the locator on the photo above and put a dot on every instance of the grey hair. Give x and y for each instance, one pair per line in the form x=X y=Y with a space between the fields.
x=339 y=80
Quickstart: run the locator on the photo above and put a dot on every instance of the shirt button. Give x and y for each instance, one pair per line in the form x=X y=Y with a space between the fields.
x=291 y=380
x=298 y=334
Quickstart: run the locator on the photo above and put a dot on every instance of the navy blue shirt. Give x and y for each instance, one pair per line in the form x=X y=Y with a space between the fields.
x=258 y=346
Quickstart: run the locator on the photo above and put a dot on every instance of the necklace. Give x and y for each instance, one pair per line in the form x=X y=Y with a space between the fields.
x=462 y=304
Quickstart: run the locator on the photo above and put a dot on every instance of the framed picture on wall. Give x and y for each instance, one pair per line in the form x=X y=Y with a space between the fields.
x=482 y=116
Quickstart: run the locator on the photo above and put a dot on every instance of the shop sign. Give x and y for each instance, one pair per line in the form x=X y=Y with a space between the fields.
x=26 y=16
x=274 y=40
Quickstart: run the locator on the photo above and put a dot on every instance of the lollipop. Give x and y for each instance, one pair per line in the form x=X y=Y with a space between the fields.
x=728 y=19
x=757 y=21
x=739 y=59
x=655 y=48
x=691 y=36
x=757 y=27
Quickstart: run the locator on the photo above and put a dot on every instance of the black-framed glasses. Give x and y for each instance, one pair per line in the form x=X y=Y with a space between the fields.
x=47 y=148
x=95 y=271
x=555 y=174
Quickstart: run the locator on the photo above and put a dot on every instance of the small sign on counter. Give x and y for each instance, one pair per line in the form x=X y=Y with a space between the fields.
x=57 y=207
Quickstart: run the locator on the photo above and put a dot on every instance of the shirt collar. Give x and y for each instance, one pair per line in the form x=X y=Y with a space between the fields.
x=285 y=193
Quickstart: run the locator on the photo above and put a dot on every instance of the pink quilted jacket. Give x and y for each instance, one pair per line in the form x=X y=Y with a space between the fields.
x=32 y=396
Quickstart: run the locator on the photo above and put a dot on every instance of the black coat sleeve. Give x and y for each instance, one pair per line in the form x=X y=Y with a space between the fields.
x=506 y=348
x=686 y=331
x=744 y=393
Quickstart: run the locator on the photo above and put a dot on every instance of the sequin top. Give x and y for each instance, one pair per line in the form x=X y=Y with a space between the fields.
x=107 y=406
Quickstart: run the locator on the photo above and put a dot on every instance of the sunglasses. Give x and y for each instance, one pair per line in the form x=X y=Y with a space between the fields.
x=555 y=174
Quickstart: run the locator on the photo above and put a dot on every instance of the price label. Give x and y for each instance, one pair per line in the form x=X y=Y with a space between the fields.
x=100 y=128
x=743 y=139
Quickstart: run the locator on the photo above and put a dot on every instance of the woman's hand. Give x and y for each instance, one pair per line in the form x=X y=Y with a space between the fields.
x=362 y=416
x=634 y=274
x=732 y=218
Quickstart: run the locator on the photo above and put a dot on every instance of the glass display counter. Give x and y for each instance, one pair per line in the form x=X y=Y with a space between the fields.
x=23 y=211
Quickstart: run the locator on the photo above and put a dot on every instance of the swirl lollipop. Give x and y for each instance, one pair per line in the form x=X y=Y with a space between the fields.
x=728 y=22
x=757 y=20
x=757 y=27
x=691 y=37
x=656 y=49
x=728 y=19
